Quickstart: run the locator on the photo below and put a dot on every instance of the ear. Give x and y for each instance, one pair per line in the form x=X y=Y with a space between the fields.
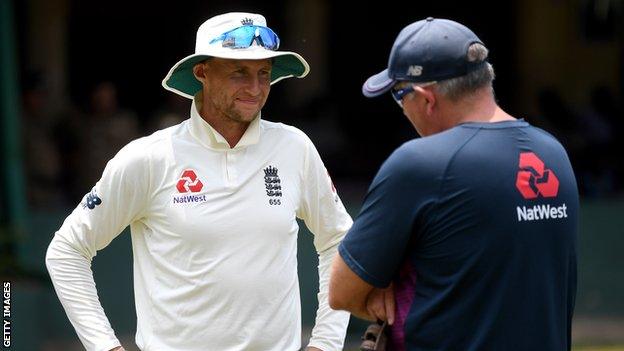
x=429 y=98
x=199 y=71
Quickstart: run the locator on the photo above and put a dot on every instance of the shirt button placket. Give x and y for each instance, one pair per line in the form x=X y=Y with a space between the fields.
x=233 y=165
x=226 y=167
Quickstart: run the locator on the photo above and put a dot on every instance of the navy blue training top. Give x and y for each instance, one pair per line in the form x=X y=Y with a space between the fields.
x=477 y=228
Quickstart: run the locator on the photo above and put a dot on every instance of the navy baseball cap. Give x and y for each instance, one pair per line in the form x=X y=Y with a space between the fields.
x=429 y=50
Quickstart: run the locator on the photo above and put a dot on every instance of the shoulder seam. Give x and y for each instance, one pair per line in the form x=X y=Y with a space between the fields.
x=448 y=164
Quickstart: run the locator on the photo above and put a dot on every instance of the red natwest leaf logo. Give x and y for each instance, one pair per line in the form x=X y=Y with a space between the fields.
x=189 y=182
x=534 y=179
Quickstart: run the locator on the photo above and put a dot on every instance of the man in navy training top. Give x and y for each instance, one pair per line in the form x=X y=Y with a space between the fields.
x=467 y=236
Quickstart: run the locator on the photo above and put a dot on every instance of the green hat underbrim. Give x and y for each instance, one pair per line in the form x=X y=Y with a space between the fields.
x=181 y=80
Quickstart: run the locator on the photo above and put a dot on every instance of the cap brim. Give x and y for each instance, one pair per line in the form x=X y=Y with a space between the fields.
x=286 y=64
x=377 y=84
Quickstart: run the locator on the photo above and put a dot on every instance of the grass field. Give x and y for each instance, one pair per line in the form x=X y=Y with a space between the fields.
x=599 y=348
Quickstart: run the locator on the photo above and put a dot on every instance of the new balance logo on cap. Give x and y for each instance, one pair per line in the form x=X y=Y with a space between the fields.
x=414 y=70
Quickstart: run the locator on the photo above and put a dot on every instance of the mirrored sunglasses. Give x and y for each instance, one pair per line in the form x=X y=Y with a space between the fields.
x=244 y=37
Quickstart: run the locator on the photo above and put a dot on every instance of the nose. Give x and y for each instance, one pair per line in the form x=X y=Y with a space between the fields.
x=254 y=84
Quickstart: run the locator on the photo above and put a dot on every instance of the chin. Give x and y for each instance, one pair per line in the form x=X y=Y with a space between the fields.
x=247 y=117
x=250 y=115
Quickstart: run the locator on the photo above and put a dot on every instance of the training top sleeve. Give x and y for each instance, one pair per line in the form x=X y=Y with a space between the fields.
x=375 y=246
x=324 y=214
x=118 y=199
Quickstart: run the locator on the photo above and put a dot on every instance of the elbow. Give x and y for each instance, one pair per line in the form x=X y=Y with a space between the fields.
x=335 y=299
x=337 y=304
x=57 y=251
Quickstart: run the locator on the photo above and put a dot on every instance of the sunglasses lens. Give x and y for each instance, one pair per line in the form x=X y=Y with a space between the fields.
x=399 y=94
x=396 y=99
x=395 y=94
x=269 y=38
x=239 y=38
x=243 y=37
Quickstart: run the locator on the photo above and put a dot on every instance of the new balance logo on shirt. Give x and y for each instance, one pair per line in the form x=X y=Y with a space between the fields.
x=91 y=200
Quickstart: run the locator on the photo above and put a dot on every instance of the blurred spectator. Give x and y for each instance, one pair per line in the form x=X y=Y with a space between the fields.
x=559 y=119
x=41 y=156
x=604 y=103
x=105 y=130
x=68 y=134
x=175 y=110
x=592 y=137
x=319 y=119
x=595 y=123
x=601 y=126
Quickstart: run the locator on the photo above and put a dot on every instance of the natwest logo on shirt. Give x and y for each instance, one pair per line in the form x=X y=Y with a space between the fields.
x=189 y=182
x=534 y=179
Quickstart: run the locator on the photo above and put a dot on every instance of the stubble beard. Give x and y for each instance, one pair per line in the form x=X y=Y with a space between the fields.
x=232 y=114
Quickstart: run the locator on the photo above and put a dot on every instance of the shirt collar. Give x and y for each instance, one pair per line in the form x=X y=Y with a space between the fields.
x=209 y=137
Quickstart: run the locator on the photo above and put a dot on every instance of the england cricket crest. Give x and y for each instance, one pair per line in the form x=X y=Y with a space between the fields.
x=273 y=185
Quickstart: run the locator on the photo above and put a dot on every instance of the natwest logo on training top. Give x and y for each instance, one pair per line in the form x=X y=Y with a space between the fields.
x=534 y=179
x=189 y=182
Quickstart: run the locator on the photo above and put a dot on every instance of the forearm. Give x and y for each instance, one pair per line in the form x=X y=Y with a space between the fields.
x=348 y=291
x=359 y=310
x=73 y=281
x=331 y=326
x=357 y=307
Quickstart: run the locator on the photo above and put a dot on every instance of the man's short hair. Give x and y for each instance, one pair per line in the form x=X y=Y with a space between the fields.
x=463 y=86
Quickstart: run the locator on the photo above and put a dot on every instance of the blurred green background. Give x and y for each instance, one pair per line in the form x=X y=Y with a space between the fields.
x=70 y=68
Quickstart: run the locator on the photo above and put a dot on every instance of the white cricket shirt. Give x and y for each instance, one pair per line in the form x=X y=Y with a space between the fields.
x=214 y=237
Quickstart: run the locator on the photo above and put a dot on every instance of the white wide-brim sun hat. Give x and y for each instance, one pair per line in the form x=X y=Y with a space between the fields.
x=180 y=78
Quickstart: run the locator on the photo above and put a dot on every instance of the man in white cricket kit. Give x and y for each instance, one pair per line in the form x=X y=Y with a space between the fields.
x=212 y=206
